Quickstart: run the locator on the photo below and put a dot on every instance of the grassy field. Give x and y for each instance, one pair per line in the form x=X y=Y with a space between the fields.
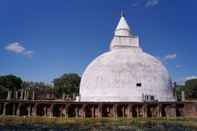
x=139 y=122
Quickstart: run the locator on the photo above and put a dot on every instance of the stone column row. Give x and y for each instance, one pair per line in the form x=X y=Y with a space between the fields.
x=24 y=95
x=128 y=110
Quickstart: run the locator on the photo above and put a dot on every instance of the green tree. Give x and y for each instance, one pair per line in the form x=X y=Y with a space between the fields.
x=11 y=82
x=178 y=90
x=41 y=89
x=191 y=89
x=68 y=84
x=32 y=85
x=3 y=92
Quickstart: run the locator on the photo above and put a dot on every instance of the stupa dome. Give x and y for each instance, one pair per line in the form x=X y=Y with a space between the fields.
x=125 y=73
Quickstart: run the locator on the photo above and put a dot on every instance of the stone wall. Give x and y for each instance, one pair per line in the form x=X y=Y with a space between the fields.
x=63 y=108
x=190 y=109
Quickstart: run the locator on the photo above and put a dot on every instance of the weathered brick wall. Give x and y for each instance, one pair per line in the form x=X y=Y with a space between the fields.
x=190 y=109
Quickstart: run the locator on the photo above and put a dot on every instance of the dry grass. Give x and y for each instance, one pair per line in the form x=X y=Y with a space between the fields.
x=64 y=122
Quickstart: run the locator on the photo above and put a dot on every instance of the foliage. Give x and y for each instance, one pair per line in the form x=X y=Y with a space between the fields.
x=69 y=123
x=32 y=85
x=191 y=89
x=11 y=82
x=68 y=84
x=178 y=91
x=41 y=89
x=3 y=92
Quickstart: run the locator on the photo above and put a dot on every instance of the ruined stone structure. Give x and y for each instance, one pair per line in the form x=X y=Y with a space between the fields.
x=124 y=82
x=63 y=108
x=26 y=105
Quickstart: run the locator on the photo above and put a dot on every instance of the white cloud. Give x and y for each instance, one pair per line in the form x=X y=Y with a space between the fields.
x=190 y=77
x=170 y=56
x=151 y=3
x=182 y=81
x=17 y=48
x=28 y=53
x=179 y=66
x=144 y=3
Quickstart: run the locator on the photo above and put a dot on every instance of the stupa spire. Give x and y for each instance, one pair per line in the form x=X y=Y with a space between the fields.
x=122 y=13
x=123 y=38
x=122 y=28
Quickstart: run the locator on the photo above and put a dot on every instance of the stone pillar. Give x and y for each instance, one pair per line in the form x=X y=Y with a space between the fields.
x=76 y=112
x=182 y=96
x=74 y=96
x=9 y=95
x=63 y=110
x=137 y=111
x=21 y=94
x=129 y=111
x=115 y=111
x=14 y=109
x=25 y=95
x=122 y=110
x=33 y=95
x=92 y=111
x=18 y=109
x=144 y=110
x=45 y=110
x=34 y=110
x=83 y=111
x=49 y=111
x=100 y=110
x=66 y=110
x=159 y=109
x=29 y=110
x=4 y=109
x=16 y=95
x=63 y=96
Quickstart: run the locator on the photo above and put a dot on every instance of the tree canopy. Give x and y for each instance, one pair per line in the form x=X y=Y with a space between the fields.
x=41 y=90
x=33 y=85
x=11 y=82
x=190 y=89
x=68 y=84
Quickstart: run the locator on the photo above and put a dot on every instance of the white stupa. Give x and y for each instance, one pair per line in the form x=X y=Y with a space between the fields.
x=125 y=73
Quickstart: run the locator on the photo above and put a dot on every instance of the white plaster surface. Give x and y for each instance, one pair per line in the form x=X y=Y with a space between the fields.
x=112 y=76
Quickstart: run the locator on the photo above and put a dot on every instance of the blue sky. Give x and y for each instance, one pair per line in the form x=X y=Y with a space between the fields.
x=42 y=39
